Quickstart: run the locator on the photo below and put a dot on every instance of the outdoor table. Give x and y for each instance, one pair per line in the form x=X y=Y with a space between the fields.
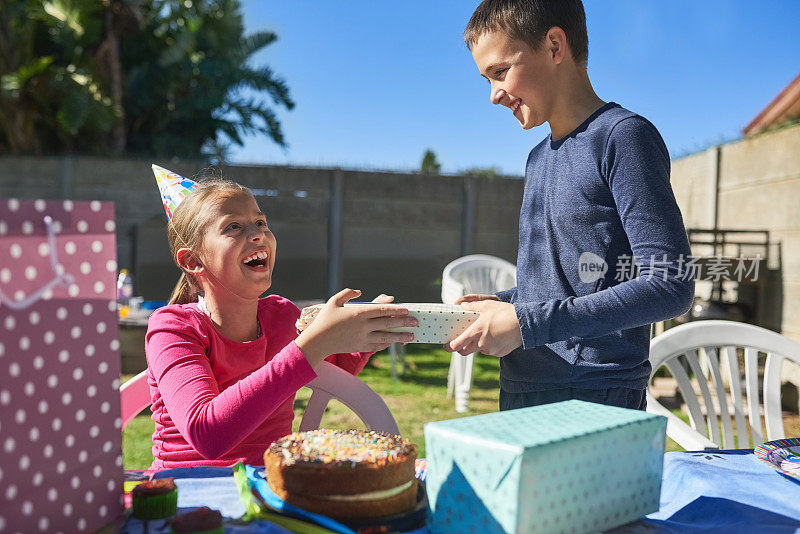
x=709 y=491
x=132 y=330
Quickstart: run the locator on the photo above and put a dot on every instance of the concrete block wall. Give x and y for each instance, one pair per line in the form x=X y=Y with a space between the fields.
x=398 y=230
x=497 y=217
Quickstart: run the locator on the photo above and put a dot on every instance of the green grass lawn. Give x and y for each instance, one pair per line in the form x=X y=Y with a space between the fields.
x=416 y=398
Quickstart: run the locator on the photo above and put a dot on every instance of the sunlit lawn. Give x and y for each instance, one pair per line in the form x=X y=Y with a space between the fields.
x=417 y=397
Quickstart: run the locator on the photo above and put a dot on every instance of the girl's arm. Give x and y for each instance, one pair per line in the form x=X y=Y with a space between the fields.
x=214 y=422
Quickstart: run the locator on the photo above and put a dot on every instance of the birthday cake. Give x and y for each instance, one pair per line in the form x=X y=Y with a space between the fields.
x=344 y=474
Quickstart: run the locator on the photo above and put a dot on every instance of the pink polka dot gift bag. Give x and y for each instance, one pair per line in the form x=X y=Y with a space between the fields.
x=61 y=466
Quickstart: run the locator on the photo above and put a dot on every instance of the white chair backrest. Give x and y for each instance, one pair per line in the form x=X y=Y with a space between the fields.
x=476 y=273
x=332 y=382
x=699 y=348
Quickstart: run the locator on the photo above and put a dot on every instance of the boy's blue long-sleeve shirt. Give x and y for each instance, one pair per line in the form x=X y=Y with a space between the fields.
x=599 y=196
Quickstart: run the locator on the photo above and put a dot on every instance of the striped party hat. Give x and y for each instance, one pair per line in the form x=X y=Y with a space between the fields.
x=173 y=188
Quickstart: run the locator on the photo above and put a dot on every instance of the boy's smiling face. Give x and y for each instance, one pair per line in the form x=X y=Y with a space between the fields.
x=521 y=79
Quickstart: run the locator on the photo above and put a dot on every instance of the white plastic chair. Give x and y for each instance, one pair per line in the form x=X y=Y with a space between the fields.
x=476 y=273
x=332 y=382
x=702 y=345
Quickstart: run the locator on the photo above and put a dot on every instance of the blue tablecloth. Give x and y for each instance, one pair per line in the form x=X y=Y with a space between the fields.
x=713 y=491
x=724 y=491
x=205 y=486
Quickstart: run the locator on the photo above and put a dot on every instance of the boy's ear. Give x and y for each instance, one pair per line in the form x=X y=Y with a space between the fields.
x=189 y=261
x=556 y=42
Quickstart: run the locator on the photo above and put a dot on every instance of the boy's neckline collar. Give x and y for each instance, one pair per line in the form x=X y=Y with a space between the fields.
x=555 y=143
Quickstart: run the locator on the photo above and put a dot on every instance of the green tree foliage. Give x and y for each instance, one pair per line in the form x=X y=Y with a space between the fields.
x=430 y=165
x=485 y=172
x=50 y=96
x=191 y=84
x=155 y=77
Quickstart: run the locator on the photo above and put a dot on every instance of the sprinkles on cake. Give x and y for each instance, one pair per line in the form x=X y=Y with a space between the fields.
x=340 y=446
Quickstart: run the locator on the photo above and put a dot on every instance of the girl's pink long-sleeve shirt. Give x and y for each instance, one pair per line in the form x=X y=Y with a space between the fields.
x=216 y=401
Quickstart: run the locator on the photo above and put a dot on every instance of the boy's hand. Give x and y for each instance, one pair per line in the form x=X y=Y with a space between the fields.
x=495 y=332
x=473 y=297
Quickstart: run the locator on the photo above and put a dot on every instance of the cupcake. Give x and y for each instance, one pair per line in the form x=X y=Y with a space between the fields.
x=155 y=499
x=203 y=521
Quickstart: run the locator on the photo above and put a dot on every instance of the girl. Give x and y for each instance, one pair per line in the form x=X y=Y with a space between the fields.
x=223 y=364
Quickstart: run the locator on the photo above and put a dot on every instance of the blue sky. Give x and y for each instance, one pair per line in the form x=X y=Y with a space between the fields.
x=377 y=83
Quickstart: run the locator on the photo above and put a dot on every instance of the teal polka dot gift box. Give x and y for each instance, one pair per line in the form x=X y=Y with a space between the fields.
x=571 y=466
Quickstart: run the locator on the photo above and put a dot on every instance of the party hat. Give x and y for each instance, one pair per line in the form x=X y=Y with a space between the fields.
x=173 y=188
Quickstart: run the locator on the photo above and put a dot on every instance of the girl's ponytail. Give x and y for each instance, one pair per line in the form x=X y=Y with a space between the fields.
x=184 y=291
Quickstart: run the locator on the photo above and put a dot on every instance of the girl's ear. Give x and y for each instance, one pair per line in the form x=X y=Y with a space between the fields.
x=189 y=261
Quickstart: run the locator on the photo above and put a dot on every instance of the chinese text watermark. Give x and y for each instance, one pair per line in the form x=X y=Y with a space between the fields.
x=718 y=268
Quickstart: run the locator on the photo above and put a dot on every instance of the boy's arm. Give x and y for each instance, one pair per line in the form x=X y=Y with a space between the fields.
x=650 y=217
x=509 y=295
x=637 y=167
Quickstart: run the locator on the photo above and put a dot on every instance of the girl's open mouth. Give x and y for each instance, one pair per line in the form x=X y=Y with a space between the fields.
x=258 y=261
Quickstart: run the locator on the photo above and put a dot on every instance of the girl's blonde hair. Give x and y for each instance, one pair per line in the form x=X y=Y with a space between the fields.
x=188 y=225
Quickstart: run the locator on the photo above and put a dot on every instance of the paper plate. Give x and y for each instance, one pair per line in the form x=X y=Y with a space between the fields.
x=438 y=323
x=782 y=455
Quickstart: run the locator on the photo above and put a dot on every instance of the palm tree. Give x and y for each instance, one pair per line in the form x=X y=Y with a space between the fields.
x=162 y=77
x=50 y=99
x=191 y=86
x=121 y=17
x=19 y=66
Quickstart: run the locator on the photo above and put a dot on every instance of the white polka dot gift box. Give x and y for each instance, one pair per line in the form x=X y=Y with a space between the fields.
x=570 y=466
x=61 y=467
x=438 y=323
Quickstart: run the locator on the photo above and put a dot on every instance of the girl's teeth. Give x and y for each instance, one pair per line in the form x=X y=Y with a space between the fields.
x=256 y=256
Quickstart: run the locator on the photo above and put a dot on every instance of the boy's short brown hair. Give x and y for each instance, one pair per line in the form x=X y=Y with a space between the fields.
x=529 y=21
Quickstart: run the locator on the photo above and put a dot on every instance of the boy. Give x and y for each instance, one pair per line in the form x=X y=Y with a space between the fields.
x=597 y=198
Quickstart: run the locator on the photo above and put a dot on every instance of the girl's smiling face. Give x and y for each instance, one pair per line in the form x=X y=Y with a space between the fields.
x=238 y=249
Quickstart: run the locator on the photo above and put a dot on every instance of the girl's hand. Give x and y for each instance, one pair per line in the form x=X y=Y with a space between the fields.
x=383 y=298
x=360 y=328
x=386 y=299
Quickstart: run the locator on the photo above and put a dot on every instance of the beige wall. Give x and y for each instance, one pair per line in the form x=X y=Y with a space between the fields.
x=759 y=188
x=693 y=184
